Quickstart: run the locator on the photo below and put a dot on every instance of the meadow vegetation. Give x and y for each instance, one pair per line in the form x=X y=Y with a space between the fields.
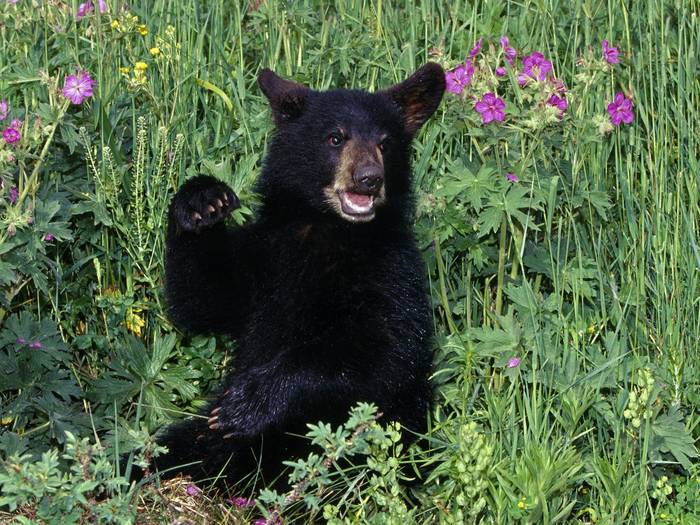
x=558 y=208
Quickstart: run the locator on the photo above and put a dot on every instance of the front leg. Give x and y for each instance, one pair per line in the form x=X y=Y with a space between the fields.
x=208 y=268
x=277 y=396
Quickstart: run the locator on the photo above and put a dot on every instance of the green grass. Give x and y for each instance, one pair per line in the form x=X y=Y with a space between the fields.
x=591 y=276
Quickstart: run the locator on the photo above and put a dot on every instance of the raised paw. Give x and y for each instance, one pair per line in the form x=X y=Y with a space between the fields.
x=202 y=202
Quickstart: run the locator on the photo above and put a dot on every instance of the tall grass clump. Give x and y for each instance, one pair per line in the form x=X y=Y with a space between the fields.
x=558 y=208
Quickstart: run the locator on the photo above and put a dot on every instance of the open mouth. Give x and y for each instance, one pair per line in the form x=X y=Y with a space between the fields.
x=357 y=205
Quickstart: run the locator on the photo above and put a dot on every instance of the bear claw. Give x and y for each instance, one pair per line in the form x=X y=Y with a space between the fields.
x=229 y=435
x=216 y=411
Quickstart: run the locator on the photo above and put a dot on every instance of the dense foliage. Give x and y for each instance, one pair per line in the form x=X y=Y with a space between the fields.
x=558 y=206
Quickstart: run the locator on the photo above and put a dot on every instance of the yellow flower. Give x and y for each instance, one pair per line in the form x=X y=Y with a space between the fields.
x=521 y=504
x=6 y=421
x=155 y=51
x=140 y=66
x=134 y=322
x=142 y=29
x=124 y=70
x=115 y=24
x=591 y=329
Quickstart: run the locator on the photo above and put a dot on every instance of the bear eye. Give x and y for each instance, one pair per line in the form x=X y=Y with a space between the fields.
x=335 y=139
x=384 y=144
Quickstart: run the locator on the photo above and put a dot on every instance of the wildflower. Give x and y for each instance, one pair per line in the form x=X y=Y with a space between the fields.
x=154 y=51
x=141 y=66
x=115 y=24
x=36 y=345
x=512 y=177
x=78 y=87
x=84 y=9
x=20 y=341
x=521 y=504
x=500 y=71
x=16 y=123
x=13 y=194
x=610 y=54
x=513 y=362
x=459 y=78
x=620 y=110
x=490 y=108
x=49 y=237
x=4 y=109
x=241 y=503
x=142 y=29
x=102 y=5
x=510 y=52
x=476 y=49
x=536 y=67
x=12 y=2
x=134 y=322
x=558 y=102
x=124 y=70
x=11 y=136
x=192 y=490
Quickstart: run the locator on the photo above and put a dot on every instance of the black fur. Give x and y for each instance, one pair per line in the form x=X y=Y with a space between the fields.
x=327 y=312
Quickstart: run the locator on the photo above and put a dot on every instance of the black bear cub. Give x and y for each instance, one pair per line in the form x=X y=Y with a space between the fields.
x=325 y=291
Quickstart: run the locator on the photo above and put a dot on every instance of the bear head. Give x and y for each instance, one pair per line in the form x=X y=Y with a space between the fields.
x=345 y=154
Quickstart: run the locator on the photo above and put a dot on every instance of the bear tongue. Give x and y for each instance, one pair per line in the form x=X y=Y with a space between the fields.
x=359 y=200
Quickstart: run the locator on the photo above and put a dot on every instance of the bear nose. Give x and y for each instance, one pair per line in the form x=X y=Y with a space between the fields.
x=369 y=178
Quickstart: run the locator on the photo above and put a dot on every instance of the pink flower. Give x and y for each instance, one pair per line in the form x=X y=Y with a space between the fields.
x=241 y=502
x=192 y=490
x=512 y=177
x=459 y=78
x=20 y=341
x=78 y=87
x=510 y=52
x=558 y=102
x=36 y=345
x=16 y=123
x=490 y=108
x=536 y=67
x=610 y=54
x=12 y=2
x=513 y=362
x=4 y=109
x=102 y=5
x=13 y=194
x=620 y=110
x=500 y=71
x=476 y=49
x=84 y=9
x=11 y=136
x=49 y=237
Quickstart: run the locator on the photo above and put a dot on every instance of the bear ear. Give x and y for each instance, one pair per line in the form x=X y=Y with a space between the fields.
x=419 y=95
x=287 y=99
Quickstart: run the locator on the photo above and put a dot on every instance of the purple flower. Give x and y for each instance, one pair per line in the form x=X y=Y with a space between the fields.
x=459 y=78
x=512 y=177
x=11 y=136
x=610 y=54
x=16 y=124
x=510 y=52
x=78 y=87
x=620 y=110
x=20 y=341
x=536 y=67
x=49 y=237
x=84 y=9
x=500 y=71
x=12 y=2
x=102 y=5
x=490 y=108
x=558 y=102
x=35 y=345
x=4 y=109
x=476 y=49
x=513 y=362
x=192 y=490
x=13 y=194
x=241 y=502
